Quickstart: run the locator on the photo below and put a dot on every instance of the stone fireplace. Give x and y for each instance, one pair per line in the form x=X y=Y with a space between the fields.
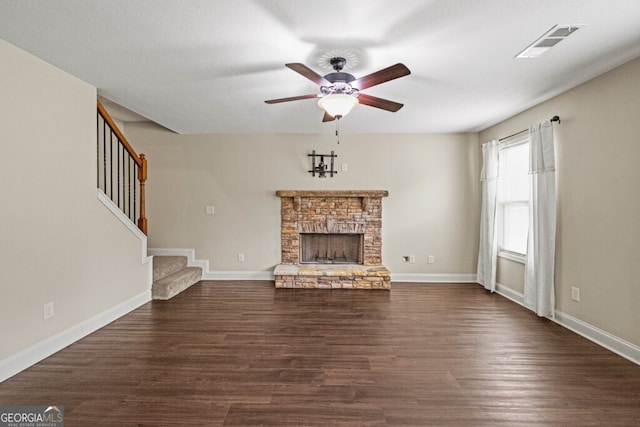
x=331 y=239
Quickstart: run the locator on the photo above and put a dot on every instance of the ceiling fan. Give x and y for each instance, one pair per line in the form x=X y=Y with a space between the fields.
x=340 y=92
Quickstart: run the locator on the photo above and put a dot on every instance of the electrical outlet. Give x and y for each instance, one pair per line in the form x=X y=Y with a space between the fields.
x=240 y=257
x=47 y=310
x=210 y=210
x=575 y=294
x=431 y=259
x=412 y=259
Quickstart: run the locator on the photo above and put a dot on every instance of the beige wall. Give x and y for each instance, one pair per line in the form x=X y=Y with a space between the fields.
x=57 y=241
x=598 y=193
x=431 y=209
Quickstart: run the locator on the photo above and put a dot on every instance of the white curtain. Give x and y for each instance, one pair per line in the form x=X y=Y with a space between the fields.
x=538 y=283
x=488 y=247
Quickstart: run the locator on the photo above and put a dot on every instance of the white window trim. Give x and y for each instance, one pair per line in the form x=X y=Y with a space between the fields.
x=514 y=140
x=510 y=142
x=512 y=256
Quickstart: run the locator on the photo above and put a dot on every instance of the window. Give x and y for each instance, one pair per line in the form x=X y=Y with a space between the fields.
x=513 y=198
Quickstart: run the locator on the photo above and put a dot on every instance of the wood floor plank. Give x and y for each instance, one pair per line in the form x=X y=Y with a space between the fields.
x=245 y=353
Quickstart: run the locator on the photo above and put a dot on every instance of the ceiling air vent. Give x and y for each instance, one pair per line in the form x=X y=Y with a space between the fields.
x=549 y=39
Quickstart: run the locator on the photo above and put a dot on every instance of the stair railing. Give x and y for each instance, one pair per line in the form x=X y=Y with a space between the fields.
x=121 y=172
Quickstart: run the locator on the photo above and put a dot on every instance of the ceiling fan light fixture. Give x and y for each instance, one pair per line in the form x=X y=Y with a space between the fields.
x=338 y=104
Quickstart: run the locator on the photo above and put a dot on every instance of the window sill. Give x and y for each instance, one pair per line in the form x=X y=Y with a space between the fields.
x=512 y=256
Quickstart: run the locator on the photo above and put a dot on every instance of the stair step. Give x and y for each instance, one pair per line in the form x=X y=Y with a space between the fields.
x=171 y=285
x=164 y=266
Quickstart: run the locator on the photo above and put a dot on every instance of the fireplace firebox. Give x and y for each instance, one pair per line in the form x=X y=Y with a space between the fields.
x=330 y=248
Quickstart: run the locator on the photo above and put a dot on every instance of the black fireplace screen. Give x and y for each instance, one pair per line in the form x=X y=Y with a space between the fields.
x=316 y=248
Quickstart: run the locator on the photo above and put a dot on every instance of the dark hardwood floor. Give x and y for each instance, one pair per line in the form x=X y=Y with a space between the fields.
x=244 y=353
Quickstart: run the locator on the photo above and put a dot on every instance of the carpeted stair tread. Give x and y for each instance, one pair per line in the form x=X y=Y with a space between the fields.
x=173 y=284
x=164 y=266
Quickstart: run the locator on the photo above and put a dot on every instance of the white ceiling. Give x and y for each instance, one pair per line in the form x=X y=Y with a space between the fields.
x=206 y=66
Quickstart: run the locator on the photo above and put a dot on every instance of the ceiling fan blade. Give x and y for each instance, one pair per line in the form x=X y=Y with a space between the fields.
x=292 y=98
x=328 y=117
x=308 y=73
x=385 y=104
x=384 y=75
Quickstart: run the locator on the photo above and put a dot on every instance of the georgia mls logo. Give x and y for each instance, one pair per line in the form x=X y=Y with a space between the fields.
x=31 y=416
x=55 y=411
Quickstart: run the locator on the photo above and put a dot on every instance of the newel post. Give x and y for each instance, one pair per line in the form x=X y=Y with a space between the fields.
x=142 y=177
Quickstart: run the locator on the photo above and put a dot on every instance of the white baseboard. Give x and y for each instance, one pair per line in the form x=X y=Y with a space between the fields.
x=603 y=338
x=39 y=351
x=207 y=274
x=239 y=275
x=508 y=293
x=400 y=277
x=433 y=278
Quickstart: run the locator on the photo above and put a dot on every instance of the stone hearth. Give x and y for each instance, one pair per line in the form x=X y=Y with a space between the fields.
x=332 y=212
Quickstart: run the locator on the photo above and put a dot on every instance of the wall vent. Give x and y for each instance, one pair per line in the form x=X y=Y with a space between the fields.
x=548 y=40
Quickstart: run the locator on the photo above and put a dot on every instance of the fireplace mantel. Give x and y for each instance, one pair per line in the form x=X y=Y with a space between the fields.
x=363 y=195
x=332 y=212
x=332 y=193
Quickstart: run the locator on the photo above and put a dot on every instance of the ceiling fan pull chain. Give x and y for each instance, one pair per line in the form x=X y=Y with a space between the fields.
x=338 y=129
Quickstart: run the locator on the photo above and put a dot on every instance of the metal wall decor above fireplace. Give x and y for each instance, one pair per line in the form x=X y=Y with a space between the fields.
x=330 y=248
x=321 y=168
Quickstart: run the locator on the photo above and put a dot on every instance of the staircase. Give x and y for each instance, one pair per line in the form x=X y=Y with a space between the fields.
x=122 y=176
x=172 y=276
x=122 y=173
